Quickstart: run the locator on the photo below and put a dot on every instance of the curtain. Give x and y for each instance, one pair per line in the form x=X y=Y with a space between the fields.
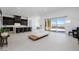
x=47 y=24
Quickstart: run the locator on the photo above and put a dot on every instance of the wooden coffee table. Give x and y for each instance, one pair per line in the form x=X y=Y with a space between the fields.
x=36 y=37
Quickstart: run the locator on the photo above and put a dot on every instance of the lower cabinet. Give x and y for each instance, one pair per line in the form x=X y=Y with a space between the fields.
x=25 y=29
x=18 y=30
x=8 y=28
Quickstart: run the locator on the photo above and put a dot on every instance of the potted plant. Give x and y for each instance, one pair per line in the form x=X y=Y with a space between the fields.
x=3 y=32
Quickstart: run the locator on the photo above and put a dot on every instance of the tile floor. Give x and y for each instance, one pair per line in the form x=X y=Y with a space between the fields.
x=54 y=42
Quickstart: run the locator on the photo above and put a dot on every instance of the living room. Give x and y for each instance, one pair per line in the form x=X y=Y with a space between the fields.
x=22 y=22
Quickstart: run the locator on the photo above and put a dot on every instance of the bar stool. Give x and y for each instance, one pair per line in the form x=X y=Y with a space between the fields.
x=3 y=39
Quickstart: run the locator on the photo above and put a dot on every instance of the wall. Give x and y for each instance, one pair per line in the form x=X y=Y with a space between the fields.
x=72 y=17
x=34 y=22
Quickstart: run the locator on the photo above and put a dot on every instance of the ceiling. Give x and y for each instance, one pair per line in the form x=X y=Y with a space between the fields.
x=30 y=11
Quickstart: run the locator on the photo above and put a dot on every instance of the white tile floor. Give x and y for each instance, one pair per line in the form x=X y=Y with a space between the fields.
x=53 y=42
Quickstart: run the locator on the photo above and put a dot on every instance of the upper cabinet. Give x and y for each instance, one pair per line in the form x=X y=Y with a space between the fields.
x=17 y=19
x=8 y=21
x=24 y=22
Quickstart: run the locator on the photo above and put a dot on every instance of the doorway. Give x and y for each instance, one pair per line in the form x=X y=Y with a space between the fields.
x=55 y=24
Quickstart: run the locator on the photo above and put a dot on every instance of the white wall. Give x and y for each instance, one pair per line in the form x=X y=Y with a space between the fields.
x=72 y=15
x=42 y=22
x=34 y=22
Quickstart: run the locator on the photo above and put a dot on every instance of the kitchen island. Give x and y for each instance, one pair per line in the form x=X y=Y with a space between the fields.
x=17 y=29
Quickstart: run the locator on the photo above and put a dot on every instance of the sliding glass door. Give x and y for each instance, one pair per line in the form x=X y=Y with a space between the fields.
x=57 y=24
x=53 y=24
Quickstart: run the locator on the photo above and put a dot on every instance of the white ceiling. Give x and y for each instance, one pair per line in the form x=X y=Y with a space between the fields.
x=30 y=11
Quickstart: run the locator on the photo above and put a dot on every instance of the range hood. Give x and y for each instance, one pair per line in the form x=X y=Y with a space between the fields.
x=17 y=19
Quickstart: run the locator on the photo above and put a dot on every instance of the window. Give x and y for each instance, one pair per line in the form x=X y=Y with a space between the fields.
x=57 y=24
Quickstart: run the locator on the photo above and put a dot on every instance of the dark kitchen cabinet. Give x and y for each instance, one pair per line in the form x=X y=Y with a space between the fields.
x=8 y=28
x=8 y=21
x=17 y=19
x=23 y=29
x=24 y=22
